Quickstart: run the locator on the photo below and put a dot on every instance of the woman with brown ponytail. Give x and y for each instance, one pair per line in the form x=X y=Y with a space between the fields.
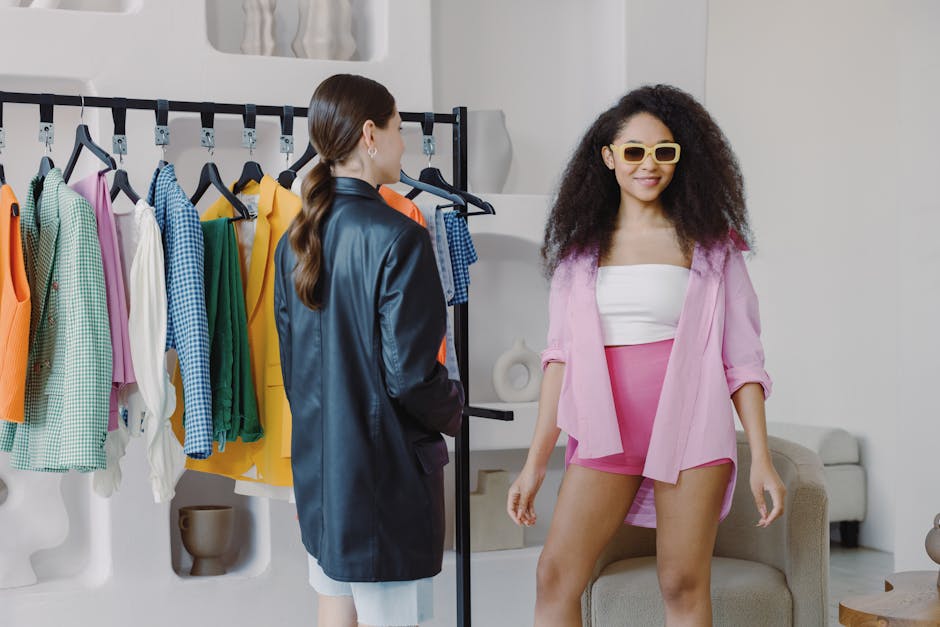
x=360 y=315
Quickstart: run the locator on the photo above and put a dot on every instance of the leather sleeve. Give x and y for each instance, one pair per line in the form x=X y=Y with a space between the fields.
x=282 y=283
x=412 y=322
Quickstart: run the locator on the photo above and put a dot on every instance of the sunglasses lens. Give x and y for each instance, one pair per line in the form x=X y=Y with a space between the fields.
x=665 y=153
x=634 y=154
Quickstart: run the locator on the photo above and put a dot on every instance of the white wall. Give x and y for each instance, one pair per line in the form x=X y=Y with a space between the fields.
x=917 y=204
x=551 y=65
x=554 y=65
x=803 y=89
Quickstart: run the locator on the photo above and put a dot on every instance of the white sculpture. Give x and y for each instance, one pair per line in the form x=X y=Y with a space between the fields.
x=324 y=30
x=259 y=27
x=32 y=517
x=521 y=355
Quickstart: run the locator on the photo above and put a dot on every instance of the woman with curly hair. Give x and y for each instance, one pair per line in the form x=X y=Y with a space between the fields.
x=654 y=333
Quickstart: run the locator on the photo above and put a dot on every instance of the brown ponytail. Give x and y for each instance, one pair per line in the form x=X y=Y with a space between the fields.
x=339 y=108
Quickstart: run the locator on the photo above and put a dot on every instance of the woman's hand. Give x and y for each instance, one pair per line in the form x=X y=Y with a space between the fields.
x=520 y=505
x=764 y=477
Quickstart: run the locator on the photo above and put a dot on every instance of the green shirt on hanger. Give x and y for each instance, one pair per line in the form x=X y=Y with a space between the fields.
x=234 y=404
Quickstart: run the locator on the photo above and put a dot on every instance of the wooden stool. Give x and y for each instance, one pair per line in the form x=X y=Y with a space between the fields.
x=910 y=599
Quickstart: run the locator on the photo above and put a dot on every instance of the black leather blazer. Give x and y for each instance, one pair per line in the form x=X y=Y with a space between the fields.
x=369 y=399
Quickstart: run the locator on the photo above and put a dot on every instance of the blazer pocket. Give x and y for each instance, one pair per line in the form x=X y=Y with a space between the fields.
x=274 y=406
x=432 y=454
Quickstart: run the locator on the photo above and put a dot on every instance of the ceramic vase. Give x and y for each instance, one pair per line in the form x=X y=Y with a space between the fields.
x=932 y=543
x=258 y=36
x=518 y=355
x=206 y=531
x=489 y=150
x=324 y=30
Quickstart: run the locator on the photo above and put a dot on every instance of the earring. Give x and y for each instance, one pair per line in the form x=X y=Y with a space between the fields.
x=372 y=152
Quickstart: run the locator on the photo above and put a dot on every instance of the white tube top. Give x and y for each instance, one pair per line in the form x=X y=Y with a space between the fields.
x=640 y=303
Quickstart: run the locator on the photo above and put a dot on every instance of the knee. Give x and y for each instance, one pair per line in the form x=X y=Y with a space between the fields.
x=555 y=580
x=682 y=586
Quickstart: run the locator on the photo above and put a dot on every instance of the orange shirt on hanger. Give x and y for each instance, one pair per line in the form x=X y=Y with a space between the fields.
x=14 y=311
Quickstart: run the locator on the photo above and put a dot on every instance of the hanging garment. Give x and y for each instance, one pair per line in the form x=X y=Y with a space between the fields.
x=402 y=205
x=462 y=254
x=68 y=377
x=268 y=459
x=434 y=217
x=234 y=406
x=186 y=327
x=94 y=188
x=14 y=311
x=147 y=324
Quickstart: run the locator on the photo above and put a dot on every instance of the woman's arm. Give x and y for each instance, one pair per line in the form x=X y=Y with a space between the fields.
x=520 y=504
x=748 y=382
x=749 y=403
x=546 y=432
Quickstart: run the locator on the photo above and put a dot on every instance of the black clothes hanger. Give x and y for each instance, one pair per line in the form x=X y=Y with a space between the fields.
x=121 y=183
x=421 y=186
x=286 y=178
x=83 y=140
x=432 y=176
x=209 y=176
x=251 y=171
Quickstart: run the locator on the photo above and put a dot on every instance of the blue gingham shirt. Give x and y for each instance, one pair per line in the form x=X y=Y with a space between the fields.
x=462 y=254
x=187 y=327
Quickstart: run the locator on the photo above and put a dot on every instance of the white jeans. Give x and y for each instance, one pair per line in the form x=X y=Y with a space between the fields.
x=380 y=603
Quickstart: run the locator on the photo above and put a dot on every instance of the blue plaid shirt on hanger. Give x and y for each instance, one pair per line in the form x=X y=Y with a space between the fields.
x=187 y=328
x=462 y=254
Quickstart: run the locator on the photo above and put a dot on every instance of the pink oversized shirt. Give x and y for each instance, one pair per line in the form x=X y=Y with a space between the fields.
x=94 y=188
x=717 y=350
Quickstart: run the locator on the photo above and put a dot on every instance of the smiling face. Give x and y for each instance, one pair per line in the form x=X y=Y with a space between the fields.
x=644 y=181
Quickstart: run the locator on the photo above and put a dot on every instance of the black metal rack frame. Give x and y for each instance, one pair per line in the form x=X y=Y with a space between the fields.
x=458 y=121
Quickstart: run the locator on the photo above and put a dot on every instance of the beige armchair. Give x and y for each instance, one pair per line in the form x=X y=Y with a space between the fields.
x=770 y=577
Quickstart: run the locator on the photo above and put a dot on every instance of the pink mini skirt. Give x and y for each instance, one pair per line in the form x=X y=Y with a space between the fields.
x=636 y=378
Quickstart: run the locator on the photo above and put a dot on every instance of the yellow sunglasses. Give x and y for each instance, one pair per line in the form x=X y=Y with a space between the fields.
x=634 y=153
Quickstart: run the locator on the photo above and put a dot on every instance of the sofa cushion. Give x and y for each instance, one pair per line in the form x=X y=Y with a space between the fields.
x=743 y=593
x=832 y=444
x=845 y=484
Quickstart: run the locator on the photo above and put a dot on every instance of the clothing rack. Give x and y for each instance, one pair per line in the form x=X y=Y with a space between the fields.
x=458 y=121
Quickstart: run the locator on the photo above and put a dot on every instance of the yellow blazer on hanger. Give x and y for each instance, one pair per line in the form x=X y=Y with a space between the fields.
x=267 y=460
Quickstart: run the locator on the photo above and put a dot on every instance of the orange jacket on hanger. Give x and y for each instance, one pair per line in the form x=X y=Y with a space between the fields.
x=14 y=312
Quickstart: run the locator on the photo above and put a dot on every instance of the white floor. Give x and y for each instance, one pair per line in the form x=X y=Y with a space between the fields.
x=853 y=572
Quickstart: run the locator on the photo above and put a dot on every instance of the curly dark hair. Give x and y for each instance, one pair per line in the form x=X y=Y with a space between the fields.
x=704 y=200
